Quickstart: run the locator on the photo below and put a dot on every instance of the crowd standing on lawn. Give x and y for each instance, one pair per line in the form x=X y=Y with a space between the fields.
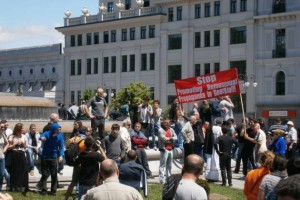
x=208 y=136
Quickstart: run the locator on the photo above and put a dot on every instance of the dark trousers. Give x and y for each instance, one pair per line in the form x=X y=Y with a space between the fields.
x=247 y=154
x=143 y=160
x=49 y=165
x=98 y=124
x=291 y=152
x=239 y=158
x=225 y=166
x=188 y=148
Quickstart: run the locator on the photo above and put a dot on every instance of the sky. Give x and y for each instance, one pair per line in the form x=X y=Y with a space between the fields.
x=26 y=23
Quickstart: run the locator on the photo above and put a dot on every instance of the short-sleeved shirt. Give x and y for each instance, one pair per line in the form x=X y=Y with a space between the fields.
x=189 y=190
x=98 y=106
x=268 y=183
x=89 y=162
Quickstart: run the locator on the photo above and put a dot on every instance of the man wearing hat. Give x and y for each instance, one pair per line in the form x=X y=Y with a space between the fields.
x=291 y=140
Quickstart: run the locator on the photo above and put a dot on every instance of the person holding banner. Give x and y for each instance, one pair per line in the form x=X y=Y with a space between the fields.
x=226 y=106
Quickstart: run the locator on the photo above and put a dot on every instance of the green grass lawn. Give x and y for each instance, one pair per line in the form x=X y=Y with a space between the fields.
x=155 y=191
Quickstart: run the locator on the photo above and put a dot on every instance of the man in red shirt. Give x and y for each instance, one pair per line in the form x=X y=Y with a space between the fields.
x=166 y=139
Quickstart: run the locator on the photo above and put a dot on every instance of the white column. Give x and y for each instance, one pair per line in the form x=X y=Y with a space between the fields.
x=163 y=70
x=224 y=46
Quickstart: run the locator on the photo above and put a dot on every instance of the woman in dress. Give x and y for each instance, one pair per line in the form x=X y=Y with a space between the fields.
x=17 y=145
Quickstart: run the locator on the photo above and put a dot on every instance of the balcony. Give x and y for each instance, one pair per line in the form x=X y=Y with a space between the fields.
x=279 y=53
x=279 y=6
x=123 y=14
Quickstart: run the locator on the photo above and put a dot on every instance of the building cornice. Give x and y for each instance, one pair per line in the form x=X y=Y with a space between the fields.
x=277 y=16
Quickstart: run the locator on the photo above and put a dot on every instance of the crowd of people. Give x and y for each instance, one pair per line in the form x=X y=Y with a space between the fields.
x=113 y=165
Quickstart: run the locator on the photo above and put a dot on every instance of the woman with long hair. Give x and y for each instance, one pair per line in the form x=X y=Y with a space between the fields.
x=17 y=145
x=255 y=177
x=76 y=127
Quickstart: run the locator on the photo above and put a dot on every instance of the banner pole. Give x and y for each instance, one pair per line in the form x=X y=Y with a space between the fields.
x=242 y=104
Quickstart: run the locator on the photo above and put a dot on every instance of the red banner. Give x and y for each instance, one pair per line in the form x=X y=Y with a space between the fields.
x=207 y=86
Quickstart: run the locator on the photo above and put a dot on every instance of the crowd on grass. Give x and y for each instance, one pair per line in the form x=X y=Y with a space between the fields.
x=113 y=165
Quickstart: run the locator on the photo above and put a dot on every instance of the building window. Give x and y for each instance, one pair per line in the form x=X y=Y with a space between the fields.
x=207 y=68
x=79 y=40
x=72 y=41
x=174 y=41
x=53 y=69
x=132 y=63
x=240 y=65
x=143 y=62
x=31 y=70
x=217 y=67
x=113 y=36
x=207 y=10
x=152 y=31
x=88 y=66
x=127 y=4
x=88 y=38
x=105 y=37
x=280 y=51
x=217 y=8
x=124 y=34
x=42 y=70
x=152 y=61
x=113 y=64
x=152 y=92
x=197 y=11
x=96 y=38
x=9 y=73
x=197 y=70
x=174 y=73
x=238 y=35
x=20 y=72
x=105 y=65
x=216 y=38
x=232 y=6
x=279 y=6
x=124 y=63
x=146 y=3
x=72 y=68
x=143 y=32
x=170 y=14
x=79 y=67
x=280 y=83
x=110 y=6
x=197 y=39
x=72 y=96
x=132 y=33
x=79 y=97
x=96 y=66
x=207 y=39
x=179 y=13
x=243 y=5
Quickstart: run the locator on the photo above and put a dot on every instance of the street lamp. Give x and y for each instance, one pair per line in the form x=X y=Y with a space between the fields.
x=140 y=4
x=103 y=9
x=85 y=13
x=68 y=15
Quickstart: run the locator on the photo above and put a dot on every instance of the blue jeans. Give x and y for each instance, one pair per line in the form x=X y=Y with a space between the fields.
x=7 y=177
x=2 y=171
x=165 y=164
x=154 y=133
x=83 y=190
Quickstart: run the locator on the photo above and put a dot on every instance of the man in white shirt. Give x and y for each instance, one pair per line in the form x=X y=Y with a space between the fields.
x=188 y=189
x=291 y=139
x=226 y=106
x=7 y=131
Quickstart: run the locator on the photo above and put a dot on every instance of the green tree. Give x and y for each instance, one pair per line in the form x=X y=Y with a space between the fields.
x=88 y=93
x=135 y=92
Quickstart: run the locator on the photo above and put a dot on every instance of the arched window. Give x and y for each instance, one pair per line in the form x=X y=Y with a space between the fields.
x=280 y=83
x=10 y=73
x=31 y=71
x=42 y=70
x=20 y=72
x=53 y=69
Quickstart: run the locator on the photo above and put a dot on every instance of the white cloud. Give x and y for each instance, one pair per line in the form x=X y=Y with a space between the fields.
x=26 y=36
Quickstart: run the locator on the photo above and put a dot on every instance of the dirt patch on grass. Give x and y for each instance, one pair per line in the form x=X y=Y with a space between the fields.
x=215 y=196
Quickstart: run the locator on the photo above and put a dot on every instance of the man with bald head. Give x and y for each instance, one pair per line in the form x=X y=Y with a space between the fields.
x=54 y=118
x=188 y=189
x=111 y=189
x=188 y=136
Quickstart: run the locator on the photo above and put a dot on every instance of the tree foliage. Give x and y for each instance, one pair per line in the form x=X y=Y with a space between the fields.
x=88 y=93
x=135 y=92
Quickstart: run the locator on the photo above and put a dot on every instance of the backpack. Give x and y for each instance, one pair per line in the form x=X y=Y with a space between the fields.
x=216 y=108
x=170 y=187
x=72 y=152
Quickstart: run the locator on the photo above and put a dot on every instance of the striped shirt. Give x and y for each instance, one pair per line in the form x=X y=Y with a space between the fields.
x=275 y=127
x=269 y=182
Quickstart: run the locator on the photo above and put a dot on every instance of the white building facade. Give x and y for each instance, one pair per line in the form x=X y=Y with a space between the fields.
x=33 y=71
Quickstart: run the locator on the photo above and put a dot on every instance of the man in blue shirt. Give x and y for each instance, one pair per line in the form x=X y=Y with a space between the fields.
x=53 y=147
